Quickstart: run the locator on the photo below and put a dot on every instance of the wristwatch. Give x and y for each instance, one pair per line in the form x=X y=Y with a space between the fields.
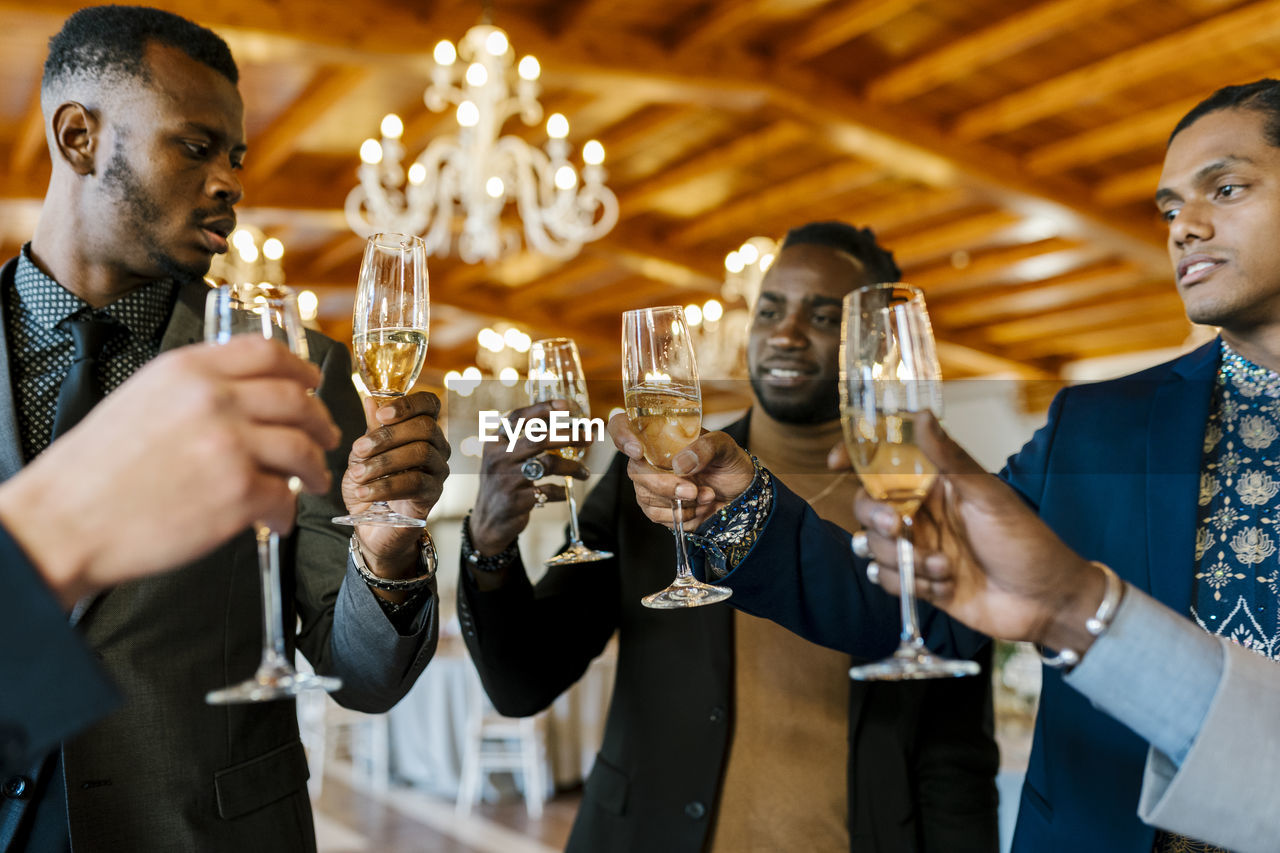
x=428 y=560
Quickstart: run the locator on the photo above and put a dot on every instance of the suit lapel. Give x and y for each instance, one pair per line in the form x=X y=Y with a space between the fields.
x=1175 y=445
x=186 y=323
x=10 y=444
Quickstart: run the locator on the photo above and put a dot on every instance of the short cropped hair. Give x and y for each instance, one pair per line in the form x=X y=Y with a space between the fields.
x=111 y=41
x=858 y=242
x=1262 y=96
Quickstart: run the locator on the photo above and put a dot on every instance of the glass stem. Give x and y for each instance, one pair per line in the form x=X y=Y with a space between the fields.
x=907 y=581
x=683 y=571
x=575 y=536
x=273 y=656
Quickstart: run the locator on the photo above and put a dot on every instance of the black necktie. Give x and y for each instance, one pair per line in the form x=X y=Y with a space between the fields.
x=80 y=390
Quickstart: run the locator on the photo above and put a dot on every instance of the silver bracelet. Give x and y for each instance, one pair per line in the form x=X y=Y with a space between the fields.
x=1095 y=625
x=427 y=558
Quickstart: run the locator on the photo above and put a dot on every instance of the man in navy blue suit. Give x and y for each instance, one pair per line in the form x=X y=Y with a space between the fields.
x=1170 y=476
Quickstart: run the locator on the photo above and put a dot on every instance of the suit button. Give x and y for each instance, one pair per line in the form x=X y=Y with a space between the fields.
x=695 y=810
x=717 y=715
x=16 y=787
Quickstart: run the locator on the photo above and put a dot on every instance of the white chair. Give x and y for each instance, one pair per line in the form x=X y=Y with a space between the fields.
x=324 y=725
x=494 y=743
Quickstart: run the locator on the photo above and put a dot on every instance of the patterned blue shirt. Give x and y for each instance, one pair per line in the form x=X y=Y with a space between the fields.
x=1237 y=589
x=40 y=353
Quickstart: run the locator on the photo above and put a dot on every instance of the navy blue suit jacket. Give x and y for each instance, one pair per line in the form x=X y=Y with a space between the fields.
x=1115 y=472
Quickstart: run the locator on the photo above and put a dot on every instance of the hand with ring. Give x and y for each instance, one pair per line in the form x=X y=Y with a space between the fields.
x=507 y=492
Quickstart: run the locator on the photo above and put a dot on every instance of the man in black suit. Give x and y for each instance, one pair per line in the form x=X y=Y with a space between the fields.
x=720 y=728
x=145 y=128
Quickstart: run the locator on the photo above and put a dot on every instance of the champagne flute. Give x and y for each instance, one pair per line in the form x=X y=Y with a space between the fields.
x=271 y=312
x=664 y=406
x=389 y=334
x=555 y=373
x=889 y=376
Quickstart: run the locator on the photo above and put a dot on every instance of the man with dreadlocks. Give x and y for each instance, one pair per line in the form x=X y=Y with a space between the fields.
x=721 y=726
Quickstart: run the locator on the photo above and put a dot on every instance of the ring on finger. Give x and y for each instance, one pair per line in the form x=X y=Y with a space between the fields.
x=533 y=470
x=873 y=572
x=861 y=547
x=539 y=497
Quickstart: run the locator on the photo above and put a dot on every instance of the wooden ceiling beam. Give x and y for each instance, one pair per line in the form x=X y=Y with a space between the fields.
x=745 y=149
x=978 y=362
x=1241 y=28
x=842 y=24
x=729 y=17
x=1013 y=265
x=561 y=283
x=1147 y=128
x=1099 y=314
x=326 y=91
x=738 y=220
x=971 y=232
x=977 y=308
x=888 y=217
x=985 y=47
x=1137 y=185
x=1152 y=334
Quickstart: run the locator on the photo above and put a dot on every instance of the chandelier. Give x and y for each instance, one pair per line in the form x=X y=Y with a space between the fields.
x=474 y=175
x=719 y=329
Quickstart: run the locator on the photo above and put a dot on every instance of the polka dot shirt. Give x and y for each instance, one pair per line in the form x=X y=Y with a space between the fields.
x=40 y=353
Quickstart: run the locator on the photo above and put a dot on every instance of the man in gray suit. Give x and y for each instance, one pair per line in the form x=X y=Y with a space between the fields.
x=133 y=471
x=145 y=130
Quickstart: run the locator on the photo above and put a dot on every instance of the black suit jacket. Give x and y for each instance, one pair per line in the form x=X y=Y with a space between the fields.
x=922 y=759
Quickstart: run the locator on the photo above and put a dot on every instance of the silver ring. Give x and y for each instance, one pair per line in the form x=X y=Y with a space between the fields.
x=533 y=470
x=861 y=547
x=539 y=498
x=873 y=572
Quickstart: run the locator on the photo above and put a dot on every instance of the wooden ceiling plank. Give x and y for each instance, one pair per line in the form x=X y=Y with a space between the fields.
x=625 y=142
x=986 y=47
x=560 y=283
x=1098 y=315
x=274 y=145
x=968 y=233
x=843 y=24
x=29 y=141
x=734 y=222
x=724 y=20
x=743 y=150
x=1170 y=54
x=1074 y=288
x=1153 y=334
x=1146 y=128
x=977 y=362
x=1137 y=185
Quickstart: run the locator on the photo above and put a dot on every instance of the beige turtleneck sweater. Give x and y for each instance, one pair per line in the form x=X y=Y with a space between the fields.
x=785 y=783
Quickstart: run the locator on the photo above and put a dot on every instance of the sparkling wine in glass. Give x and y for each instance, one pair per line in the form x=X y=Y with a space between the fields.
x=390 y=336
x=271 y=312
x=889 y=377
x=664 y=405
x=555 y=373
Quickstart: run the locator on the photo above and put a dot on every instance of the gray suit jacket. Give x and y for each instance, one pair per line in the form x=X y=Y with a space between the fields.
x=1209 y=709
x=169 y=773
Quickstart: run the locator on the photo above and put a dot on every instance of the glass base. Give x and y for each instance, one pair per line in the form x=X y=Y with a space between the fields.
x=382 y=514
x=912 y=663
x=686 y=592
x=269 y=685
x=577 y=553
